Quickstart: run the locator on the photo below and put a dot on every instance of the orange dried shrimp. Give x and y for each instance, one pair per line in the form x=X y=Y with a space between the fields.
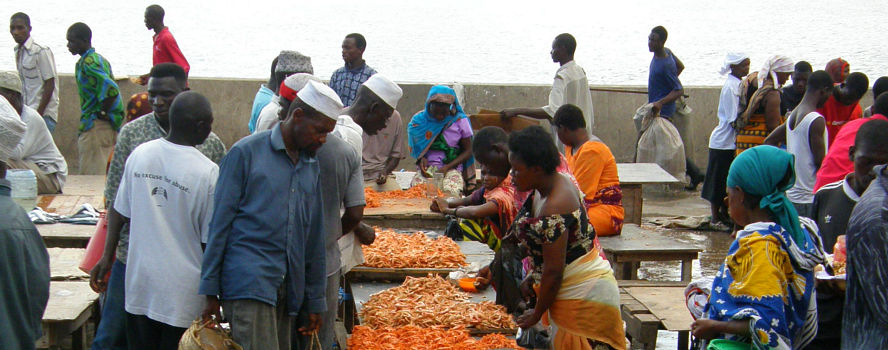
x=395 y=250
x=410 y=338
x=432 y=302
x=374 y=199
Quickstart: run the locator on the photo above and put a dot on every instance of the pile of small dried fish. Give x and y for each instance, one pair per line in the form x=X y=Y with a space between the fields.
x=432 y=302
x=395 y=250
x=374 y=199
x=410 y=338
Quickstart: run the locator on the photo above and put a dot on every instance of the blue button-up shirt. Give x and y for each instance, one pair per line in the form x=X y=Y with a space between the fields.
x=346 y=81
x=267 y=227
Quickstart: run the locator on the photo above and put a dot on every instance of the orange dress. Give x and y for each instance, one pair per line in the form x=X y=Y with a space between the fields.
x=594 y=167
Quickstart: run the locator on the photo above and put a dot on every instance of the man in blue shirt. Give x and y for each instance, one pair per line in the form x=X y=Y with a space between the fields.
x=664 y=88
x=265 y=252
x=346 y=80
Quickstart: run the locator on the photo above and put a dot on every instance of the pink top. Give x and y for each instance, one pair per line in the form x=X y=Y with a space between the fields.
x=837 y=164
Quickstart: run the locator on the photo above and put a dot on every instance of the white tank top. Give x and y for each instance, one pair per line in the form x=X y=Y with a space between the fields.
x=799 y=145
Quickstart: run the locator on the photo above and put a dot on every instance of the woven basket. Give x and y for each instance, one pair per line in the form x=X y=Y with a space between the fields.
x=207 y=336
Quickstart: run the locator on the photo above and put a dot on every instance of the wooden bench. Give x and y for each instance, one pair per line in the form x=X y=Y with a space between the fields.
x=633 y=176
x=64 y=264
x=66 y=235
x=70 y=306
x=635 y=244
x=647 y=309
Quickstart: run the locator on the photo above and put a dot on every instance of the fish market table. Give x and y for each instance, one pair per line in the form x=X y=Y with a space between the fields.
x=636 y=244
x=412 y=213
x=63 y=235
x=64 y=264
x=70 y=306
x=652 y=306
x=633 y=176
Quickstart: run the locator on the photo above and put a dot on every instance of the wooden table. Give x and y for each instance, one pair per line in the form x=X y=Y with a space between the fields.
x=475 y=252
x=632 y=177
x=635 y=244
x=647 y=309
x=64 y=264
x=63 y=235
x=70 y=305
x=78 y=190
x=405 y=213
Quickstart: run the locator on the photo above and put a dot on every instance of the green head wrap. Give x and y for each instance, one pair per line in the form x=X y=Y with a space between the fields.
x=768 y=171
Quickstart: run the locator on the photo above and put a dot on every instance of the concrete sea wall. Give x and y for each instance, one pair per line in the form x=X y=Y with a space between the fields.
x=614 y=107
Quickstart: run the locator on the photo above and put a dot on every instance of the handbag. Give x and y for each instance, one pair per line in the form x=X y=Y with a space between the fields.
x=95 y=247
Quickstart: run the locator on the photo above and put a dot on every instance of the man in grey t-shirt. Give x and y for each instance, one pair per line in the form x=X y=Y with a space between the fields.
x=342 y=184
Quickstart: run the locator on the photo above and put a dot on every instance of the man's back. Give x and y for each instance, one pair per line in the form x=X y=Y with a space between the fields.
x=24 y=276
x=865 y=322
x=167 y=192
x=342 y=186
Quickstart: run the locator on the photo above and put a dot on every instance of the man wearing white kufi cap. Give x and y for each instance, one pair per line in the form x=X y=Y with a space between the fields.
x=273 y=112
x=373 y=106
x=37 y=151
x=264 y=257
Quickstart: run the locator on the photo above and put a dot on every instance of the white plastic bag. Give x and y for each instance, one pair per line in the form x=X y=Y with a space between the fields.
x=350 y=248
x=659 y=143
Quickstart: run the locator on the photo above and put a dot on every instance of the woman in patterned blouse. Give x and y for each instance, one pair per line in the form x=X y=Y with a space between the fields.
x=568 y=285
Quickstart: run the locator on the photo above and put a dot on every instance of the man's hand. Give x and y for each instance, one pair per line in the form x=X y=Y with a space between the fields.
x=143 y=79
x=509 y=113
x=366 y=234
x=313 y=325
x=657 y=107
x=382 y=179
x=97 y=279
x=211 y=310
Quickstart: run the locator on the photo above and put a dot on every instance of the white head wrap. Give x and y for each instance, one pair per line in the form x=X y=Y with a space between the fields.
x=12 y=129
x=386 y=89
x=322 y=98
x=731 y=59
x=299 y=80
x=11 y=81
x=775 y=64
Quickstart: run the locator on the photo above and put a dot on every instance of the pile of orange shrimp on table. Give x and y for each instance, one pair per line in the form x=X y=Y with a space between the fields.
x=396 y=250
x=432 y=302
x=411 y=337
x=374 y=199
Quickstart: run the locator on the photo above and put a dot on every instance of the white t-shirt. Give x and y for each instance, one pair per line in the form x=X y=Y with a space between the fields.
x=167 y=192
x=798 y=143
x=723 y=137
x=351 y=132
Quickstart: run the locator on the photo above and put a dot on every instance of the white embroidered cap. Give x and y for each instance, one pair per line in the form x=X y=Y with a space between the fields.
x=386 y=89
x=12 y=129
x=322 y=98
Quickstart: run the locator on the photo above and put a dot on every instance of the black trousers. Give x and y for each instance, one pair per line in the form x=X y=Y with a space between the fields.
x=144 y=333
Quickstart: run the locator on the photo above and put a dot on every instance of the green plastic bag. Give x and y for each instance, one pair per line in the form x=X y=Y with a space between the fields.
x=725 y=344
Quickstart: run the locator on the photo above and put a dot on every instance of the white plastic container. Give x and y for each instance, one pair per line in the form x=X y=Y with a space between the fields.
x=404 y=178
x=24 y=187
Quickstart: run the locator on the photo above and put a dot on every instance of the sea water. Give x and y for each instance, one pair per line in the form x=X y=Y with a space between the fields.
x=487 y=41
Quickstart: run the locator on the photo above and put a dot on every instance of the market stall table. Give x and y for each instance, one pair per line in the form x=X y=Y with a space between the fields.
x=70 y=306
x=63 y=235
x=64 y=264
x=633 y=176
x=636 y=244
x=404 y=213
x=647 y=309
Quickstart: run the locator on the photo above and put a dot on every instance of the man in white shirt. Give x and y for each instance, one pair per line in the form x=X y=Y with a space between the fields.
x=166 y=196
x=374 y=104
x=722 y=143
x=37 y=151
x=271 y=114
x=570 y=87
x=36 y=68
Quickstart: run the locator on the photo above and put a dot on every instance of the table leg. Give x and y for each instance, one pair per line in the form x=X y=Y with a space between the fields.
x=632 y=202
x=633 y=274
x=686 y=270
x=348 y=314
x=684 y=340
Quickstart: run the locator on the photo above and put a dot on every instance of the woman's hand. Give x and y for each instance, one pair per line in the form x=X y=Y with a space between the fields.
x=483 y=279
x=528 y=319
x=439 y=204
x=424 y=167
x=705 y=328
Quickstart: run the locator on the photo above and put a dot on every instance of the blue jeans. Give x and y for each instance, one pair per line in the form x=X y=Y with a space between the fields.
x=111 y=331
x=50 y=124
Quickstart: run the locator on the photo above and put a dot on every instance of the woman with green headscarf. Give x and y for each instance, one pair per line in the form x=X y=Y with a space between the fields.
x=762 y=296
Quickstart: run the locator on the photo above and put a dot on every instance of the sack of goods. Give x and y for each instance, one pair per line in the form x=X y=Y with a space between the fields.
x=207 y=336
x=659 y=142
